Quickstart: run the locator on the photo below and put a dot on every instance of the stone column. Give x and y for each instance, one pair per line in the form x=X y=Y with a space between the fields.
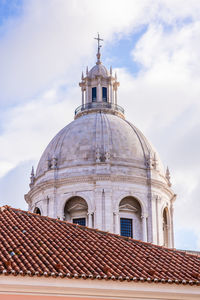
x=144 y=228
x=111 y=93
x=108 y=93
x=117 y=223
x=157 y=221
x=115 y=96
x=51 y=213
x=47 y=206
x=86 y=94
x=99 y=96
x=98 y=209
x=172 y=220
x=82 y=90
x=89 y=220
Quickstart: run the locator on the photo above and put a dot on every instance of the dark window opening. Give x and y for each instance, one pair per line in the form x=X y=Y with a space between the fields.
x=104 y=94
x=94 y=94
x=37 y=211
x=126 y=226
x=80 y=221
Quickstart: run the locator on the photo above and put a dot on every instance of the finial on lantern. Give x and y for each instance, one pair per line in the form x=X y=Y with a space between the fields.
x=167 y=175
x=32 y=178
x=32 y=171
x=99 y=46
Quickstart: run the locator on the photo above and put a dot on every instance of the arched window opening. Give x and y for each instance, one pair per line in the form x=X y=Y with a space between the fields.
x=165 y=228
x=130 y=218
x=94 y=94
x=104 y=94
x=76 y=211
x=37 y=211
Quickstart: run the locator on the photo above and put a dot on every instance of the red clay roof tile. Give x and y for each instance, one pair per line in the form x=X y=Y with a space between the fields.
x=36 y=245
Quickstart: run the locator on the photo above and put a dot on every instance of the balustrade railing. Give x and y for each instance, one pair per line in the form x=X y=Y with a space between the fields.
x=94 y=105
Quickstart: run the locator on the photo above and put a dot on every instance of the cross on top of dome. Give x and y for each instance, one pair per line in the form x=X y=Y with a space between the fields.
x=99 y=46
x=99 y=89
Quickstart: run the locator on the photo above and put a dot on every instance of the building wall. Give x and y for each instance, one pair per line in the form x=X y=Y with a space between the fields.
x=35 y=288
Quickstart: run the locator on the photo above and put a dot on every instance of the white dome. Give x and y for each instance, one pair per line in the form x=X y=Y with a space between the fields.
x=97 y=70
x=100 y=170
x=77 y=144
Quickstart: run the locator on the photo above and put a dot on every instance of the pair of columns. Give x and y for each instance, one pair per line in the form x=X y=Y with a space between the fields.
x=111 y=94
x=144 y=226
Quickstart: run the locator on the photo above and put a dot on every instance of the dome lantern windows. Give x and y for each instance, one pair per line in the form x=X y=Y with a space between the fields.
x=99 y=89
x=94 y=94
x=104 y=94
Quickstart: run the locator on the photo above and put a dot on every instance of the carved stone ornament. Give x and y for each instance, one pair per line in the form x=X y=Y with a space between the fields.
x=98 y=155
x=49 y=164
x=149 y=161
x=107 y=156
x=128 y=207
x=54 y=162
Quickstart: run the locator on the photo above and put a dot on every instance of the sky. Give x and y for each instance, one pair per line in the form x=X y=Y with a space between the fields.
x=153 y=45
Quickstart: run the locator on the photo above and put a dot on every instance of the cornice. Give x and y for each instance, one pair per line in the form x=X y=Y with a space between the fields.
x=92 y=179
x=104 y=110
x=113 y=162
x=96 y=289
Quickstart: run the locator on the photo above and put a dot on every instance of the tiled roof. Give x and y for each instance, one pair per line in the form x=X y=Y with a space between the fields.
x=35 y=245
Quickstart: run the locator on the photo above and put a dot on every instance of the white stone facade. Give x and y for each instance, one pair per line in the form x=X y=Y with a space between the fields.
x=107 y=163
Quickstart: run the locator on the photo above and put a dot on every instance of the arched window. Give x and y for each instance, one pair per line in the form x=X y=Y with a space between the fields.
x=165 y=228
x=76 y=210
x=37 y=211
x=130 y=218
x=94 y=94
x=104 y=94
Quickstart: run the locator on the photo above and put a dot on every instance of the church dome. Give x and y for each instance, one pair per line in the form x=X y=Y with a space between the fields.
x=108 y=136
x=100 y=170
x=98 y=70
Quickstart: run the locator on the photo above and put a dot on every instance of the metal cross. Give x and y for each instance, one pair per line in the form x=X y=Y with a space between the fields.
x=98 y=39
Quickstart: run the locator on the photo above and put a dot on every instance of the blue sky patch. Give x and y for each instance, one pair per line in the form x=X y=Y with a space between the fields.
x=185 y=239
x=119 y=53
x=10 y=9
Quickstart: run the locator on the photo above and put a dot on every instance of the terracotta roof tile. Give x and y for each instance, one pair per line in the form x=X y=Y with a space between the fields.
x=36 y=245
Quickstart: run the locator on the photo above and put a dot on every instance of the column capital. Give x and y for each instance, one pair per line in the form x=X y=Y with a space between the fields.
x=144 y=216
x=90 y=213
x=115 y=213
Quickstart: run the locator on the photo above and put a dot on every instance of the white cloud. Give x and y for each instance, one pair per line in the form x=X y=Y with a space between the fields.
x=50 y=41
x=30 y=127
x=164 y=100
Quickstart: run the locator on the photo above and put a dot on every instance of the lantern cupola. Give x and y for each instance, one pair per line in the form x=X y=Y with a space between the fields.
x=99 y=89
